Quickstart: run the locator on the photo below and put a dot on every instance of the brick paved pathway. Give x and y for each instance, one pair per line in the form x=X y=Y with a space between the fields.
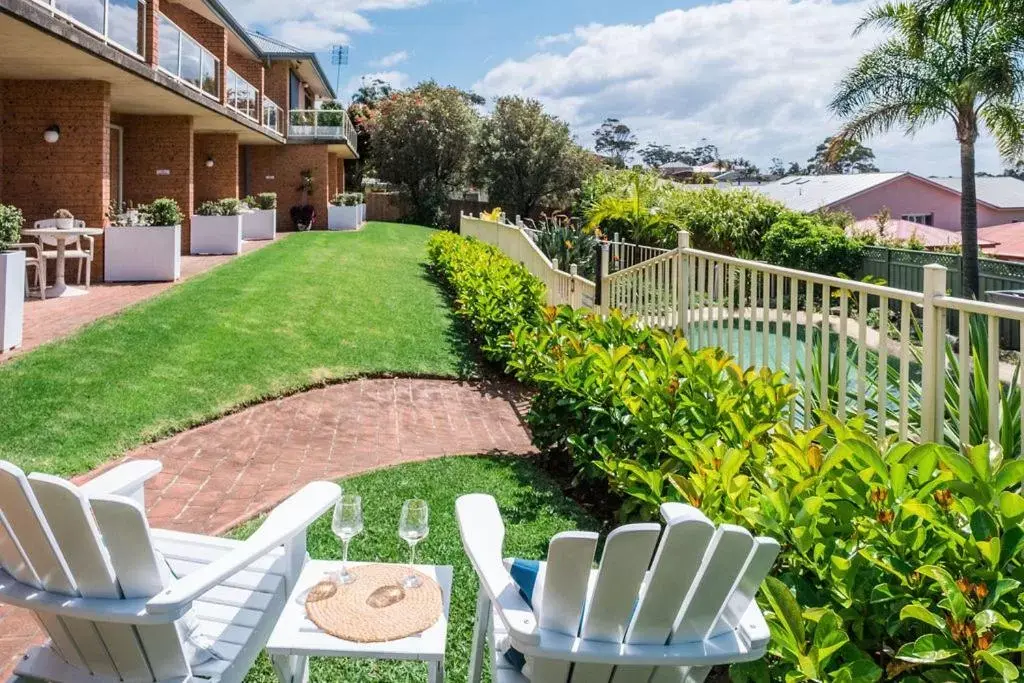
x=230 y=470
x=53 y=319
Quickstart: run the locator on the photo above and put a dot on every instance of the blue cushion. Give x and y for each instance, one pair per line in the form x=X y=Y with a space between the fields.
x=524 y=573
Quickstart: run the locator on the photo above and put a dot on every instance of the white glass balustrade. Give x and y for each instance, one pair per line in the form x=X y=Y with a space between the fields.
x=184 y=58
x=242 y=95
x=120 y=23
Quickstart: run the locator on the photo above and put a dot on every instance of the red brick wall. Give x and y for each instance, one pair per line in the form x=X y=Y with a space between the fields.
x=72 y=174
x=332 y=169
x=155 y=144
x=276 y=84
x=221 y=181
x=279 y=169
x=208 y=34
x=341 y=176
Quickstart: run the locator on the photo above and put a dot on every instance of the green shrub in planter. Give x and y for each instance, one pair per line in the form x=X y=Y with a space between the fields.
x=230 y=207
x=11 y=223
x=347 y=199
x=163 y=211
x=265 y=201
x=210 y=209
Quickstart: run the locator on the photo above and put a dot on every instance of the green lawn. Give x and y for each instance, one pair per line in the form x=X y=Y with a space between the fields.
x=532 y=504
x=314 y=307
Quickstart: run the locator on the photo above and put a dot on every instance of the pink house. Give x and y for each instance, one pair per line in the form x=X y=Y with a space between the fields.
x=907 y=197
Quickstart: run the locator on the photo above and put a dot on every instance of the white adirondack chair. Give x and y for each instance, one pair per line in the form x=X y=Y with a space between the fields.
x=654 y=611
x=82 y=560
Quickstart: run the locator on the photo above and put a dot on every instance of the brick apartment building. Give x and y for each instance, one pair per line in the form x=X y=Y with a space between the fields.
x=158 y=98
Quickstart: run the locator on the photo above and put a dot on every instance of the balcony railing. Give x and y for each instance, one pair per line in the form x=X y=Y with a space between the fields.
x=273 y=116
x=242 y=96
x=120 y=23
x=322 y=124
x=184 y=58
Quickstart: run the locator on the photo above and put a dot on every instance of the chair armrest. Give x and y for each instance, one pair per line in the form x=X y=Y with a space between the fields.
x=128 y=479
x=483 y=534
x=287 y=520
x=27 y=246
x=92 y=243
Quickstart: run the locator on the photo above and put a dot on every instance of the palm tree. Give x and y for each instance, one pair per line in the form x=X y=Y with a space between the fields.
x=963 y=66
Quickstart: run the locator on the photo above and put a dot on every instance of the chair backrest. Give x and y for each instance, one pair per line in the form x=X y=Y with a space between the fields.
x=56 y=539
x=52 y=223
x=693 y=584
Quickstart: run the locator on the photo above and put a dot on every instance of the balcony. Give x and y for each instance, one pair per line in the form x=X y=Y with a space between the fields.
x=119 y=23
x=242 y=96
x=186 y=60
x=273 y=116
x=322 y=125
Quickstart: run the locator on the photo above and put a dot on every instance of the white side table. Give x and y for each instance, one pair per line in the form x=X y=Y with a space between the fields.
x=295 y=638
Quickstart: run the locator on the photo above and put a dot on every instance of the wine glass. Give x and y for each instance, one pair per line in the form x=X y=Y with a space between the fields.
x=413 y=527
x=347 y=524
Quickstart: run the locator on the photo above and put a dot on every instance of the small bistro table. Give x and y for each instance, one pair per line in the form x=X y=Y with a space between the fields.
x=61 y=236
x=296 y=638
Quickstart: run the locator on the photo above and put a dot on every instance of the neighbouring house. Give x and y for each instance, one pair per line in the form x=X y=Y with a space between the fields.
x=933 y=202
x=716 y=171
x=1007 y=241
x=901 y=230
x=146 y=99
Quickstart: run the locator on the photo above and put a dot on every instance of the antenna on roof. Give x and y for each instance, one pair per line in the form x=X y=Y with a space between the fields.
x=339 y=57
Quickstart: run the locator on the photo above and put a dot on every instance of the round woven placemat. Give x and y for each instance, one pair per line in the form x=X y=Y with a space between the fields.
x=376 y=607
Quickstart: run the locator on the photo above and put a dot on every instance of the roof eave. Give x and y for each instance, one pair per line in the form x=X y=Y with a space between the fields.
x=235 y=27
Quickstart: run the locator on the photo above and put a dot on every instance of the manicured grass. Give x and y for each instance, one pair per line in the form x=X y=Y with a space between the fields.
x=313 y=307
x=534 y=509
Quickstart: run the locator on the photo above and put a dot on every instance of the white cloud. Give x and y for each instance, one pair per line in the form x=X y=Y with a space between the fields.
x=313 y=24
x=391 y=60
x=753 y=76
x=557 y=39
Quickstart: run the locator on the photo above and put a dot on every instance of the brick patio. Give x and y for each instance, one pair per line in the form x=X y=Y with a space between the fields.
x=46 y=321
x=230 y=470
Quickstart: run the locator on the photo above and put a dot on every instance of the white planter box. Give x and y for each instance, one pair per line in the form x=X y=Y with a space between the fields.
x=216 y=235
x=149 y=254
x=344 y=217
x=12 y=299
x=259 y=224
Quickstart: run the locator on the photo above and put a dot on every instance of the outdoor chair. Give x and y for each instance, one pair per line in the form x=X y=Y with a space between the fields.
x=664 y=604
x=34 y=261
x=80 y=248
x=123 y=602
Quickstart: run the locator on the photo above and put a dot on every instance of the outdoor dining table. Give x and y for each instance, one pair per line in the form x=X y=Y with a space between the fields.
x=61 y=237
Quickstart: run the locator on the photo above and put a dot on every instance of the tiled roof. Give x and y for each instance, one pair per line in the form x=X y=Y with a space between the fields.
x=1001 y=192
x=273 y=46
x=1008 y=239
x=930 y=237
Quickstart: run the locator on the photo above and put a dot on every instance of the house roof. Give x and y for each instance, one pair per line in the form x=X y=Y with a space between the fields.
x=930 y=237
x=1008 y=240
x=1000 y=192
x=274 y=49
x=812 y=192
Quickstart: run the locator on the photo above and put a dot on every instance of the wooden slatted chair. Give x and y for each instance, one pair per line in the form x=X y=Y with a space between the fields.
x=104 y=586
x=654 y=611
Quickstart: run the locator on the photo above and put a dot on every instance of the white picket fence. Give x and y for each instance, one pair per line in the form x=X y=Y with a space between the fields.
x=563 y=287
x=885 y=348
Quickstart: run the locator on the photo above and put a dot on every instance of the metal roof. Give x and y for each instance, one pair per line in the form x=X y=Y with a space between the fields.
x=812 y=192
x=272 y=48
x=1002 y=192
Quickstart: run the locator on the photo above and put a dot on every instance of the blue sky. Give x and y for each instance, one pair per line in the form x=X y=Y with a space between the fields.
x=752 y=76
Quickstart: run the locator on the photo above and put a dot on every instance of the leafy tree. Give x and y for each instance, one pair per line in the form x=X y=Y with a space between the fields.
x=615 y=139
x=422 y=141
x=371 y=93
x=630 y=203
x=526 y=156
x=704 y=153
x=843 y=157
x=796 y=169
x=365 y=104
x=656 y=156
x=1015 y=171
x=964 y=68
x=743 y=168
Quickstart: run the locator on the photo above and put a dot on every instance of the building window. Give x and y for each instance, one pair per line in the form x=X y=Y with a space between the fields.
x=920 y=218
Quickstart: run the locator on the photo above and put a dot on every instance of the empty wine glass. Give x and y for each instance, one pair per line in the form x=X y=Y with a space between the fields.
x=347 y=524
x=413 y=527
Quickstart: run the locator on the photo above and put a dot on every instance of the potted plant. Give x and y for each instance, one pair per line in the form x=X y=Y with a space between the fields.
x=65 y=219
x=261 y=221
x=346 y=211
x=12 y=278
x=143 y=243
x=304 y=215
x=217 y=228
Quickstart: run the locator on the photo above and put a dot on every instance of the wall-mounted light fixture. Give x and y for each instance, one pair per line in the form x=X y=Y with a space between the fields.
x=52 y=134
x=209 y=162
